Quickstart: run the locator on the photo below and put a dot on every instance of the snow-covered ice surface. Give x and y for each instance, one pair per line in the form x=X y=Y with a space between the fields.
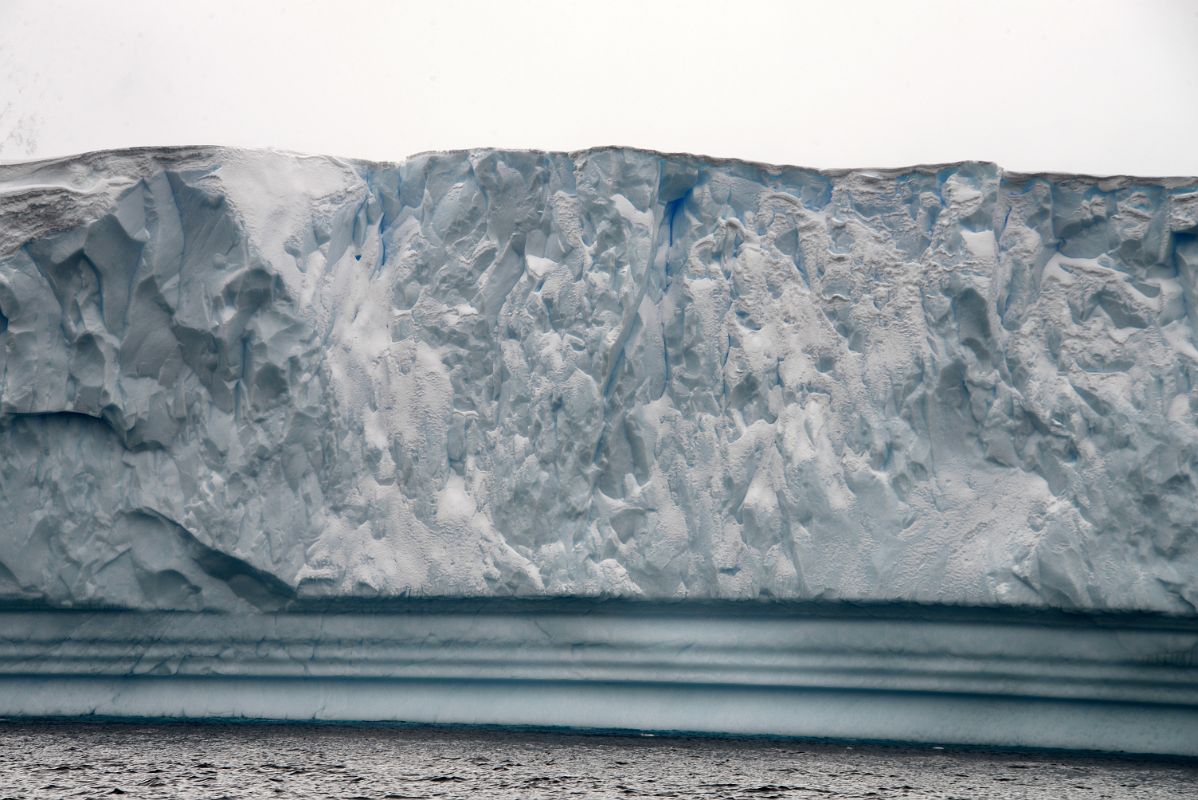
x=943 y=419
x=232 y=377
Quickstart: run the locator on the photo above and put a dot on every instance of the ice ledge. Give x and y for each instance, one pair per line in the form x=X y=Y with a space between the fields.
x=1125 y=683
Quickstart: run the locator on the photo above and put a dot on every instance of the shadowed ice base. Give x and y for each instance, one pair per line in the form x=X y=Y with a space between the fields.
x=1123 y=683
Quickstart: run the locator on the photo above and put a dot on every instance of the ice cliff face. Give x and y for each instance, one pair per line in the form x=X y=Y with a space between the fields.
x=231 y=378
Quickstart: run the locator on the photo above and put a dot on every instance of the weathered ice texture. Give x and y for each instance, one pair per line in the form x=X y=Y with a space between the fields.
x=231 y=378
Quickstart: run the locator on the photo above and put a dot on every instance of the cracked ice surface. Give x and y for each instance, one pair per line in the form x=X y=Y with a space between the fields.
x=234 y=377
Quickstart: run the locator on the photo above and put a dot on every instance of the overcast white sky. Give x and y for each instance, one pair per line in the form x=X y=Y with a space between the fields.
x=1092 y=86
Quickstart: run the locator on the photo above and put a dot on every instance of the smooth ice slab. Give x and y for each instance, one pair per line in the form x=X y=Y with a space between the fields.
x=934 y=675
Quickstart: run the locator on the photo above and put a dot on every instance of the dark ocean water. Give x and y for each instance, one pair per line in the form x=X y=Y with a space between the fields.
x=85 y=759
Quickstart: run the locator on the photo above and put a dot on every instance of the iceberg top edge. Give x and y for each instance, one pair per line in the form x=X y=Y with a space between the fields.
x=176 y=153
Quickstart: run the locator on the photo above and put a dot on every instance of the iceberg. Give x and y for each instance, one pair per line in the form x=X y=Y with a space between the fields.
x=601 y=439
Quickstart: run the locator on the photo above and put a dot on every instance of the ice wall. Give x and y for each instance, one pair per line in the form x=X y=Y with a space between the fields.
x=234 y=378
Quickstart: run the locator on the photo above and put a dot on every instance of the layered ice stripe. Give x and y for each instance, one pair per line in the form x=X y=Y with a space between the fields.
x=929 y=674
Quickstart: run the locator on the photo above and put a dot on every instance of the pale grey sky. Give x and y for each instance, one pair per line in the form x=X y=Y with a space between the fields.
x=1079 y=85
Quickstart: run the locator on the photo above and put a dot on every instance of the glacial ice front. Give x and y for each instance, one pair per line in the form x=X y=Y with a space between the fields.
x=606 y=439
x=235 y=380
